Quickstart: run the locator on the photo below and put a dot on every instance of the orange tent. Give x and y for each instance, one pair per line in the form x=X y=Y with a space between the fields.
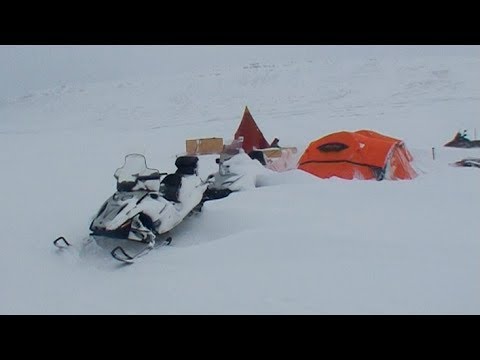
x=363 y=154
x=252 y=136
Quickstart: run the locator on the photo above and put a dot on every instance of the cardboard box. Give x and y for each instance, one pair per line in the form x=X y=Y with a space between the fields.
x=277 y=152
x=204 y=146
x=272 y=152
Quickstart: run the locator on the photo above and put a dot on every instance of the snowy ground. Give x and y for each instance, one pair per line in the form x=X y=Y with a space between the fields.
x=294 y=245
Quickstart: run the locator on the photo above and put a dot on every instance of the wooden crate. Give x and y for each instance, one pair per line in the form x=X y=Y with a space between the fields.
x=204 y=146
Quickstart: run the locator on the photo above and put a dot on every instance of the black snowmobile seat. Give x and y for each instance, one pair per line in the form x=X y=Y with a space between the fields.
x=258 y=155
x=170 y=186
x=186 y=165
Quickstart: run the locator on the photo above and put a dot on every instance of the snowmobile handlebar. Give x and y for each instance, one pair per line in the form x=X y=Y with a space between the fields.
x=157 y=176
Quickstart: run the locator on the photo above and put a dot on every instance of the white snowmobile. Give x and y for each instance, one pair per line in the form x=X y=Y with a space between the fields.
x=223 y=181
x=237 y=171
x=145 y=206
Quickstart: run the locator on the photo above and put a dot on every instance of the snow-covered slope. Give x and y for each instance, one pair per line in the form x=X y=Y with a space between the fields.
x=295 y=244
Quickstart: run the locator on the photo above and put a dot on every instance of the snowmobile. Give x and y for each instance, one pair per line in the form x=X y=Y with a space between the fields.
x=146 y=205
x=222 y=181
x=226 y=181
x=469 y=162
x=462 y=141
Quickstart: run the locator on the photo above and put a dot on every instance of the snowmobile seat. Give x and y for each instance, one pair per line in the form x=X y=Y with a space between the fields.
x=170 y=186
x=186 y=165
x=258 y=155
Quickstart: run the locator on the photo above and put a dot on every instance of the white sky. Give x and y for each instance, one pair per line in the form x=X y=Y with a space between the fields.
x=27 y=68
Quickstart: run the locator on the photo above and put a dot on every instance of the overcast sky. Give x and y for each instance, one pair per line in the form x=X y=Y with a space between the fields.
x=28 y=68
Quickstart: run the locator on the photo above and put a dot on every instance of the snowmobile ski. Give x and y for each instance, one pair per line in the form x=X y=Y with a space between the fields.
x=120 y=254
x=58 y=244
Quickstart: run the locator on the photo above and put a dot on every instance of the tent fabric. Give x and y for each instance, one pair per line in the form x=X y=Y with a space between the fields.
x=252 y=136
x=376 y=135
x=363 y=154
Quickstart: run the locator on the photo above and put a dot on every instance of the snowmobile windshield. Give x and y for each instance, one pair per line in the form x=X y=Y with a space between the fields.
x=135 y=175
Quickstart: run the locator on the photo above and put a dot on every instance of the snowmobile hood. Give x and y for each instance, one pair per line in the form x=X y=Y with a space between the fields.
x=110 y=215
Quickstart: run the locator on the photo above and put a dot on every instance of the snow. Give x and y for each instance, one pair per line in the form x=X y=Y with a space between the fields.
x=294 y=244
